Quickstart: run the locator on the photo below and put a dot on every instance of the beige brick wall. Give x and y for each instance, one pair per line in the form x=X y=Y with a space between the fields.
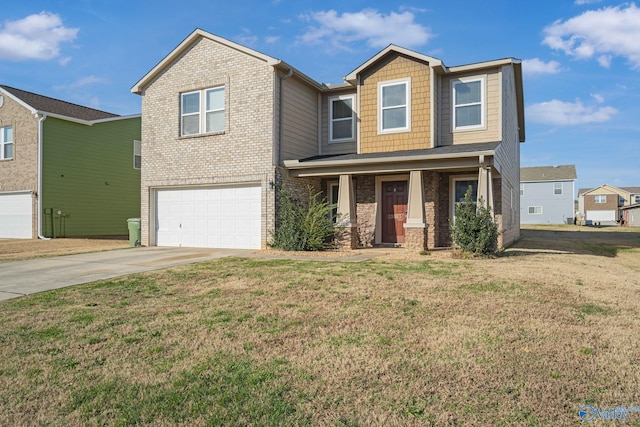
x=243 y=153
x=21 y=172
x=394 y=67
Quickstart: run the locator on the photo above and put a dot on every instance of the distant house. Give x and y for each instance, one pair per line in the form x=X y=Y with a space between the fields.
x=546 y=194
x=630 y=215
x=65 y=169
x=603 y=203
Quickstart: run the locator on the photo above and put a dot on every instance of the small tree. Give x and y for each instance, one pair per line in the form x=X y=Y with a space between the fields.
x=302 y=226
x=473 y=229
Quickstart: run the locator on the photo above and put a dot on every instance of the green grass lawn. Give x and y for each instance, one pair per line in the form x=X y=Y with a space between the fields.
x=239 y=342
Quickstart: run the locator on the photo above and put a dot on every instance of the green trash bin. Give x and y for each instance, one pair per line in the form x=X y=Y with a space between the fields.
x=134 y=232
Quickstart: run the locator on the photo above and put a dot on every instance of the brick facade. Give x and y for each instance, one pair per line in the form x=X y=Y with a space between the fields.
x=243 y=153
x=21 y=172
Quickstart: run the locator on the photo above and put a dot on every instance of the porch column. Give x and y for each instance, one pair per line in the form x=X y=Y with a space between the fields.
x=347 y=233
x=485 y=188
x=415 y=227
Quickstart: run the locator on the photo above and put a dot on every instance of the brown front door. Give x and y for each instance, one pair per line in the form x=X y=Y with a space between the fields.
x=394 y=211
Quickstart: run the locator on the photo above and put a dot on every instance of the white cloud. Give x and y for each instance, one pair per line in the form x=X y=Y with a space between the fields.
x=82 y=82
x=581 y=2
x=271 y=39
x=535 y=66
x=377 y=29
x=36 y=37
x=559 y=113
x=603 y=34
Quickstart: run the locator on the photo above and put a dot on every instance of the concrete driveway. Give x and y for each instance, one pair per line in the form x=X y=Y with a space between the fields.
x=19 y=278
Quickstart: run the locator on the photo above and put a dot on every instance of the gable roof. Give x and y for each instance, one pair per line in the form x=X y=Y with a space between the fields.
x=548 y=173
x=611 y=188
x=43 y=104
x=199 y=33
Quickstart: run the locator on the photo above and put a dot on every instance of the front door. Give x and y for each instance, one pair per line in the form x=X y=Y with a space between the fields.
x=394 y=211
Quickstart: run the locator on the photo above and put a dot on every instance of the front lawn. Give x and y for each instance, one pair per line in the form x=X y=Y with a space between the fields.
x=518 y=340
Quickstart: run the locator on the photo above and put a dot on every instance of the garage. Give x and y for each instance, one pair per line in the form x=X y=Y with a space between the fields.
x=216 y=217
x=609 y=215
x=16 y=217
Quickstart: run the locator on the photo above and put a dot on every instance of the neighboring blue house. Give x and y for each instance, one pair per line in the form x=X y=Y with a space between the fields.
x=547 y=194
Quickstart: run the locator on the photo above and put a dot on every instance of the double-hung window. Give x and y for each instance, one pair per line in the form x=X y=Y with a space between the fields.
x=137 y=155
x=202 y=111
x=535 y=210
x=6 y=142
x=600 y=198
x=342 y=118
x=557 y=188
x=468 y=103
x=394 y=103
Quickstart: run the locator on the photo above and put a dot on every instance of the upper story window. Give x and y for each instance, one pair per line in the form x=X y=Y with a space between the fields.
x=522 y=189
x=342 y=118
x=601 y=198
x=468 y=103
x=557 y=188
x=636 y=198
x=202 y=111
x=137 y=155
x=6 y=143
x=394 y=103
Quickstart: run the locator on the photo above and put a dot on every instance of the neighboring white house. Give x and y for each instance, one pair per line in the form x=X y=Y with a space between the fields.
x=546 y=194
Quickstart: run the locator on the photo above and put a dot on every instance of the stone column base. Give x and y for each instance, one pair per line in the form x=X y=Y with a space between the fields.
x=347 y=237
x=415 y=238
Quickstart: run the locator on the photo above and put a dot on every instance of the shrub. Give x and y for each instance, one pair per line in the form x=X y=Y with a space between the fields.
x=302 y=226
x=473 y=229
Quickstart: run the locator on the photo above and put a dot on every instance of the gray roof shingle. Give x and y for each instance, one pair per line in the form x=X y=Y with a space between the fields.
x=56 y=106
x=548 y=173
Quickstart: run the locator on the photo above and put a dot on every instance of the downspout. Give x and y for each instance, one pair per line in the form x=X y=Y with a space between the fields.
x=41 y=118
x=280 y=110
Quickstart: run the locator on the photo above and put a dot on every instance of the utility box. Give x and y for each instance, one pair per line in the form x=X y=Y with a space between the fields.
x=134 y=232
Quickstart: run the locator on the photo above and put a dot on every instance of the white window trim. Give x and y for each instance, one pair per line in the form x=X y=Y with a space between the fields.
x=534 y=210
x=598 y=196
x=636 y=199
x=555 y=187
x=353 y=118
x=521 y=190
x=483 y=103
x=3 y=143
x=137 y=152
x=202 y=111
x=330 y=186
x=452 y=191
x=381 y=85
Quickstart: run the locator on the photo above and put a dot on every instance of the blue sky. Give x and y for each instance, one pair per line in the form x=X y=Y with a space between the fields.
x=581 y=58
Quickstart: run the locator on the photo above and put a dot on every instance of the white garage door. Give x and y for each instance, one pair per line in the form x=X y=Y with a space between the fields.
x=222 y=217
x=15 y=215
x=601 y=215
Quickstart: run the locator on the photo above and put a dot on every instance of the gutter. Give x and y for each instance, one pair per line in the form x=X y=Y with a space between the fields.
x=41 y=118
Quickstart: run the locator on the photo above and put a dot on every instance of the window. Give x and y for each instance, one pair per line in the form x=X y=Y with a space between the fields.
x=535 y=210
x=636 y=199
x=6 y=142
x=341 y=113
x=394 y=103
x=522 y=189
x=468 y=100
x=137 y=155
x=333 y=200
x=459 y=187
x=601 y=198
x=557 y=188
x=202 y=111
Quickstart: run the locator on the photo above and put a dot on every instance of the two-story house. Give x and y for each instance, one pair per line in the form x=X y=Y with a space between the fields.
x=65 y=169
x=395 y=145
x=547 y=194
x=602 y=204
